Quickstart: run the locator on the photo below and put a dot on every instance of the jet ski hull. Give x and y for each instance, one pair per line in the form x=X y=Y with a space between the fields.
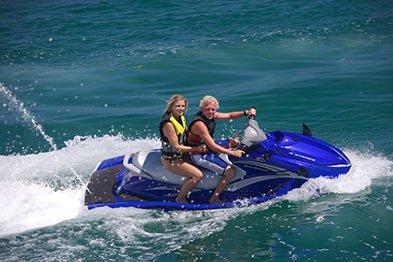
x=105 y=182
x=271 y=168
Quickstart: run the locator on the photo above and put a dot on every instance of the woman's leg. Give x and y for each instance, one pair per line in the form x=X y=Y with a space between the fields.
x=183 y=168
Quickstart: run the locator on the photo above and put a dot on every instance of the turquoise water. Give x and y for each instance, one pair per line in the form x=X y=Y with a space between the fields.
x=95 y=76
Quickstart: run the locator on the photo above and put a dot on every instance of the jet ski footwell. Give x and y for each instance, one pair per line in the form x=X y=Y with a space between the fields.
x=101 y=186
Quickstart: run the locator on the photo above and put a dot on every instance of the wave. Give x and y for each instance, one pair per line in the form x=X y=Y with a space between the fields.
x=39 y=190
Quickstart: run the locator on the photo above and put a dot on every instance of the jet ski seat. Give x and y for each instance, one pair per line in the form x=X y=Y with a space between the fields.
x=150 y=163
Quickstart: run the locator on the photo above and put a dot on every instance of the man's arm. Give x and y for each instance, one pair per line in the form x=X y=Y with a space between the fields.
x=235 y=114
x=200 y=129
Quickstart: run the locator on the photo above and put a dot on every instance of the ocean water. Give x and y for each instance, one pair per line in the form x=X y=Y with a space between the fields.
x=82 y=81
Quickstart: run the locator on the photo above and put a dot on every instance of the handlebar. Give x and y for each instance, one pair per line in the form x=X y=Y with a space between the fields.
x=252 y=117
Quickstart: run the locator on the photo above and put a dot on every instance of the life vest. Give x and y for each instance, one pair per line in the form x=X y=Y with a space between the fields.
x=196 y=140
x=180 y=128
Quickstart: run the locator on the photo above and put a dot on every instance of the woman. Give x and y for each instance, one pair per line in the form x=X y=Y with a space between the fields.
x=175 y=155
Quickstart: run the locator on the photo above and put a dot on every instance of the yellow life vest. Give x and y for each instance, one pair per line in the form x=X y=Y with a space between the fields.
x=180 y=128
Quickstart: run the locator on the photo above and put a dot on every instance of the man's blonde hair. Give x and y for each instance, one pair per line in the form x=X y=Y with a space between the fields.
x=172 y=100
x=207 y=100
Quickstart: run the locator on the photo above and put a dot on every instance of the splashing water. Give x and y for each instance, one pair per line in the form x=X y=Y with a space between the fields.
x=34 y=205
x=29 y=118
x=36 y=192
x=366 y=167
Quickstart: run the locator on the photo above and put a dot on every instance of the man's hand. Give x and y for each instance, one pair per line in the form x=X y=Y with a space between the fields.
x=234 y=143
x=237 y=153
x=251 y=112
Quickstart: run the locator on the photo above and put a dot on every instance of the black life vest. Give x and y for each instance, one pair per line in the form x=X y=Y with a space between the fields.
x=180 y=128
x=196 y=140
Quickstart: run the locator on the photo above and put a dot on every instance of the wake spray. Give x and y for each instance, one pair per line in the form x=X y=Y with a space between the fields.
x=30 y=119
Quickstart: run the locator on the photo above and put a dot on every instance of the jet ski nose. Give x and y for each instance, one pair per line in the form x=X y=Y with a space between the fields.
x=336 y=156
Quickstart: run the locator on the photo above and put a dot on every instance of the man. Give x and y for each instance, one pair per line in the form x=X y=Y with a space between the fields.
x=201 y=131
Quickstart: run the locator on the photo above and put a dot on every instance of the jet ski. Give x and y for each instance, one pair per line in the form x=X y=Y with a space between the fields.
x=274 y=164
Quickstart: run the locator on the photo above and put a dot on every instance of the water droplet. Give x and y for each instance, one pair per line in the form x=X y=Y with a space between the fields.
x=319 y=219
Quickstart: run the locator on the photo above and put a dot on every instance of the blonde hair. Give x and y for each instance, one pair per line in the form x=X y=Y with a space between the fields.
x=172 y=100
x=207 y=100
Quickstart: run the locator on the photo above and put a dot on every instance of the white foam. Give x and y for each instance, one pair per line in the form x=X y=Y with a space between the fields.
x=40 y=190
x=152 y=233
x=29 y=206
x=82 y=153
x=367 y=167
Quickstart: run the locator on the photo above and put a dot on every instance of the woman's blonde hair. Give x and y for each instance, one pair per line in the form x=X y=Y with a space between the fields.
x=207 y=100
x=172 y=100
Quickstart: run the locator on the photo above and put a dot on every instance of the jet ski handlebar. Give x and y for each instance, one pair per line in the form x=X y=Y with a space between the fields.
x=252 y=133
x=252 y=116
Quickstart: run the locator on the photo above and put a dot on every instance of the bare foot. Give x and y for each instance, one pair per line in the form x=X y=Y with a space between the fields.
x=215 y=200
x=181 y=200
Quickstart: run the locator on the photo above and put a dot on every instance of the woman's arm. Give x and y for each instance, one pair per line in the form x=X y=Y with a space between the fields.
x=170 y=133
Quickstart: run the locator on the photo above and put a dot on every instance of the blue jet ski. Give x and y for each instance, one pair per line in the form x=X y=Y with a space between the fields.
x=274 y=164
